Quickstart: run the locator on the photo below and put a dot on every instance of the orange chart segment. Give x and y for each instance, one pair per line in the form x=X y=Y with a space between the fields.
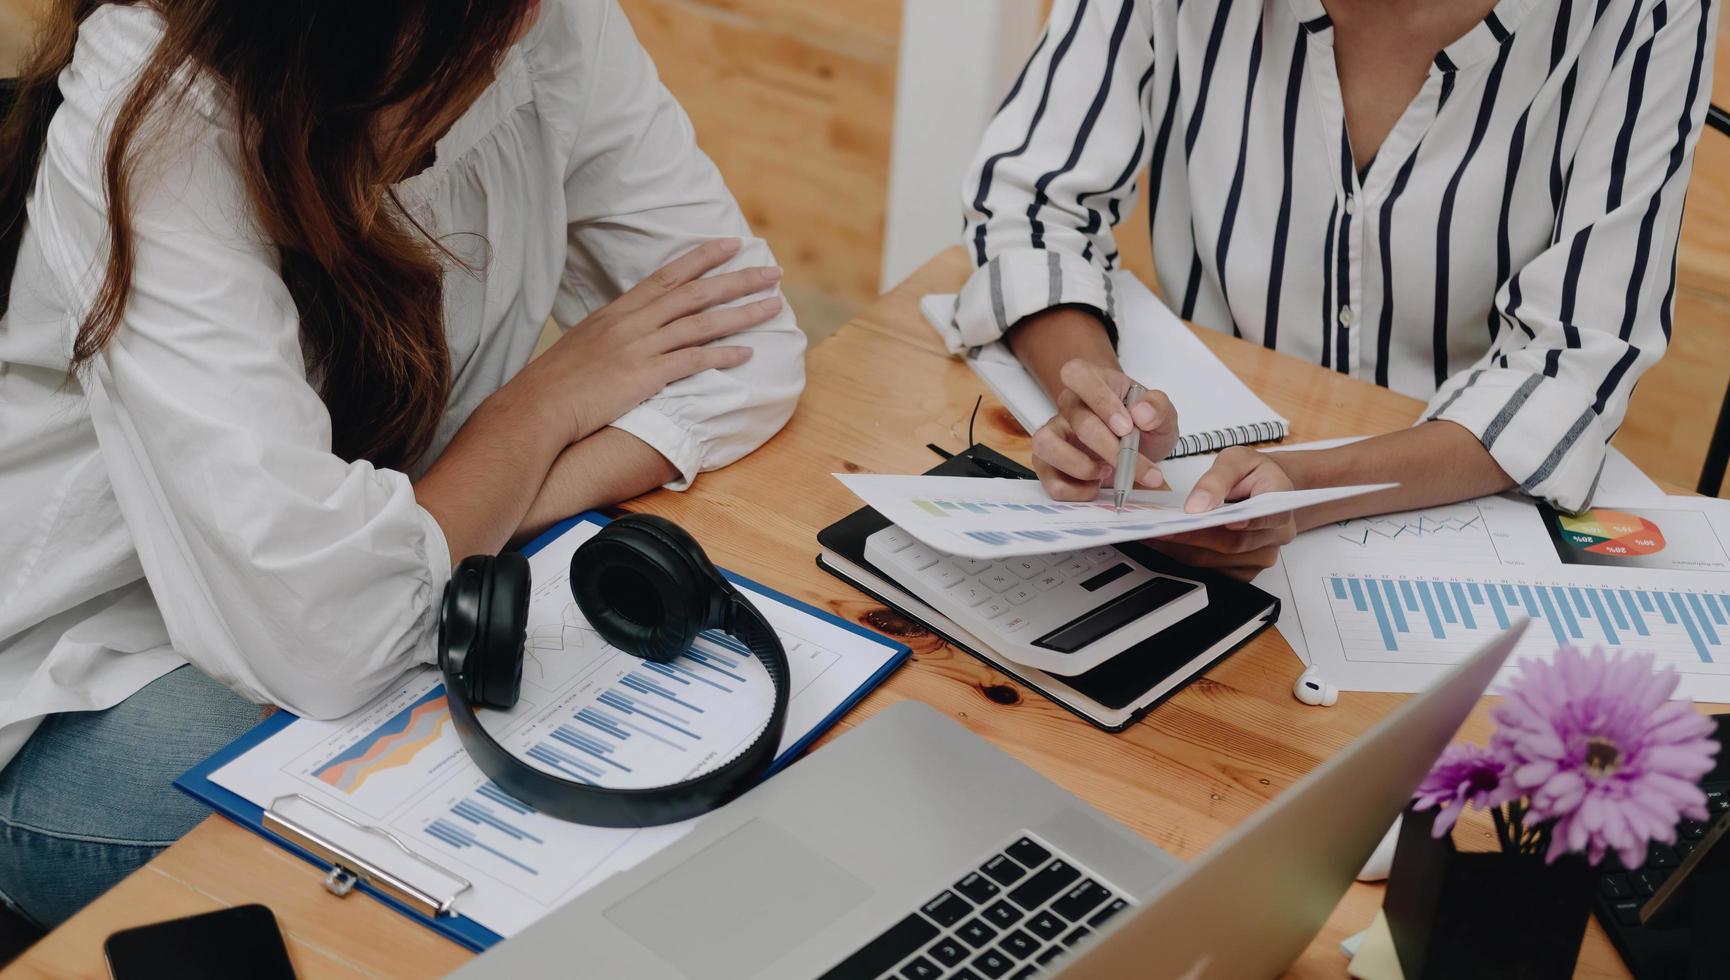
x=390 y=745
x=1613 y=533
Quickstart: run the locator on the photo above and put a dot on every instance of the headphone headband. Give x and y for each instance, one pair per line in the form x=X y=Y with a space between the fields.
x=610 y=572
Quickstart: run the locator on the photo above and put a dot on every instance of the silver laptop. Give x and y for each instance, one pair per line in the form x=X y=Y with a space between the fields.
x=911 y=848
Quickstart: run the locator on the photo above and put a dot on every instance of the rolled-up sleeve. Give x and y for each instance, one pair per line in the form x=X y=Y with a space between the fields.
x=1056 y=170
x=1584 y=319
x=291 y=575
x=640 y=193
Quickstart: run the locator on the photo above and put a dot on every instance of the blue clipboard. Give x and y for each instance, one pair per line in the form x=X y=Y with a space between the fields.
x=196 y=782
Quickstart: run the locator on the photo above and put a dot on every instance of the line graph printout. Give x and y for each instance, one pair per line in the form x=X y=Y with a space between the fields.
x=1393 y=614
x=588 y=712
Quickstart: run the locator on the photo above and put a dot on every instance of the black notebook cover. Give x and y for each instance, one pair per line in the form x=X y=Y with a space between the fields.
x=1125 y=678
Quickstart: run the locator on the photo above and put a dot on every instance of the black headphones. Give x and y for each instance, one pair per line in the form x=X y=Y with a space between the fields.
x=647 y=588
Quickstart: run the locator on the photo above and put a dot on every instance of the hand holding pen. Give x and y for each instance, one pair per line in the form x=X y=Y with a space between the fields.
x=1083 y=446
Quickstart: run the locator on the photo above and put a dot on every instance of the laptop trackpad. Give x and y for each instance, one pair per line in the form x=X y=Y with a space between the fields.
x=738 y=905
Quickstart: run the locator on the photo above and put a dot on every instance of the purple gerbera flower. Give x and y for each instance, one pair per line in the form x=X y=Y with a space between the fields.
x=1595 y=744
x=1466 y=775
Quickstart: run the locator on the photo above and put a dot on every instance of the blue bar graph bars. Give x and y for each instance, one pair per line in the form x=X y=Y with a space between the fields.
x=1456 y=610
x=491 y=810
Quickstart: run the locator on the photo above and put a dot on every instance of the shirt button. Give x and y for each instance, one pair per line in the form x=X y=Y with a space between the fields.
x=1351 y=204
x=1346 y=316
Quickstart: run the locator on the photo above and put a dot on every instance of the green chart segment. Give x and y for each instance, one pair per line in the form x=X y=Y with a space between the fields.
x=1404 y=610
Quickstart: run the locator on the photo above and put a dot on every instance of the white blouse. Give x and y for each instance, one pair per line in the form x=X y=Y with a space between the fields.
x=179 y=502
x=1509 y=253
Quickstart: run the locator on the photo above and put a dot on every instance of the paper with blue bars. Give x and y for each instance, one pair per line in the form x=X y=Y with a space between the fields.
x=987 y=519
x=1389 y=603
x=588 y=712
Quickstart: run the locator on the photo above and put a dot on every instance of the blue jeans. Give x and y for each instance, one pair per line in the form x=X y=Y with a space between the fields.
x=89 y=800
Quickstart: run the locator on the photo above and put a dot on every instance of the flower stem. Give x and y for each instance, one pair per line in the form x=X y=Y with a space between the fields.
x=1508 y=846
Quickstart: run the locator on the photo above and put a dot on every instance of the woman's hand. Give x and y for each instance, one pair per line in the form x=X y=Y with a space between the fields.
x=655 y=334
x=1077 y=450
x=1243 y=549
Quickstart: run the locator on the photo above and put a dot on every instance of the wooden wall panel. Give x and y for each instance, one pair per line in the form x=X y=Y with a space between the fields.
x=16 y=20
x=794 y=101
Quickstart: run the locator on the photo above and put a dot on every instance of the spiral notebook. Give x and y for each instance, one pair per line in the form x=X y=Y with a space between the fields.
x=1214 y=408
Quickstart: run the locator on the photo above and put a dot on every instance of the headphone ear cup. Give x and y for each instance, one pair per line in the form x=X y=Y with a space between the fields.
x=641 y=583
x=504 y=625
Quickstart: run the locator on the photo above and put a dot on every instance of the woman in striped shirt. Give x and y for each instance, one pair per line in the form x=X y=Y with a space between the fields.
x=1472 y=202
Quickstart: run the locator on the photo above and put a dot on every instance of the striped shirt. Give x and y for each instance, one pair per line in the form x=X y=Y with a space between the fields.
x=1509 y=254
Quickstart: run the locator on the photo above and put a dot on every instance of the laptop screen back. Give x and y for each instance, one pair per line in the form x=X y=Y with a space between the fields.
x=1250 y=905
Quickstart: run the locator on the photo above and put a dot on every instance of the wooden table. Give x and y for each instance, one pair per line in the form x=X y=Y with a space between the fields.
x=878 y=391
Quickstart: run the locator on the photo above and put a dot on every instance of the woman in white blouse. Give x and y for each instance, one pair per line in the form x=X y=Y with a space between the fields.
x=1475 y=202
x=250 y=417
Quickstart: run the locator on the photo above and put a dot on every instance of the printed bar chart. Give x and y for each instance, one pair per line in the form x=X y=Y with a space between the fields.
x=1405 y=614
x=649 y=712
x=480 y=814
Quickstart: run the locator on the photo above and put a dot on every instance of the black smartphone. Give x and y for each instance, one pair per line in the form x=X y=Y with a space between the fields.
x=238 y=942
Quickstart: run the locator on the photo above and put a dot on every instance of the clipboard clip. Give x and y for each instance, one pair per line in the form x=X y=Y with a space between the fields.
x=348 y=869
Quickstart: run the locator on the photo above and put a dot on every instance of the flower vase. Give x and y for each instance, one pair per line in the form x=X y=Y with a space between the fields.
x=1483 y=915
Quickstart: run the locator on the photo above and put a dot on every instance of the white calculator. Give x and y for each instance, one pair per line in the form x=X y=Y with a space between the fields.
x=1064 y=614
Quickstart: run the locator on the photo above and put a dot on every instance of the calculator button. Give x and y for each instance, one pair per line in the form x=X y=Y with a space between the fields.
x=1047 y=581
x=992 y=963
x=919 y=557
x=1015 y=624
x=894 y=540
x=1074 y=566
x=1021 y=594
x=993 y=608
x=998 y=579
x=944 y=574
x=971 y=593
x=1098 y=555
x=1025 y=567
x=971 y=566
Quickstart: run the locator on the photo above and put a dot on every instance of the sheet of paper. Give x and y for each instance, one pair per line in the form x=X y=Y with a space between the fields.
x=978 y=518
x=1622 y=481
x=1155 y=348
x=1389 y=603
x=588 y=712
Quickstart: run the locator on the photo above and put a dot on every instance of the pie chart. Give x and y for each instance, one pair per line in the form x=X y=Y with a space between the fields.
x=1612 y=533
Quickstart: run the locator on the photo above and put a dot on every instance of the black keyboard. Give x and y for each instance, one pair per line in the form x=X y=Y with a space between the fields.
x=1660 y=950
x=1019 y=910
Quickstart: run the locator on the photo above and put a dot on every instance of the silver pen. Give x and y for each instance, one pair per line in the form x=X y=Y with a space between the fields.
x=1127 y=449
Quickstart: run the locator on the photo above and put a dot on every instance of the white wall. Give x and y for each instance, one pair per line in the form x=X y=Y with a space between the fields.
x=958 y=59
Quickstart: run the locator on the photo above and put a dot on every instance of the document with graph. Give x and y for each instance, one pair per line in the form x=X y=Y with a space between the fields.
x=978 y=518
x=588 y=712
x=1389 y=603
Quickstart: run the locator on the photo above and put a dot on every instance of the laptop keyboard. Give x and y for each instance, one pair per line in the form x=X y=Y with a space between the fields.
x=1624 y=892
x=1023 y=907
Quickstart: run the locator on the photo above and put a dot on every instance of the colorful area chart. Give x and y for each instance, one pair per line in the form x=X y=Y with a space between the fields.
x=390 y=745
x=1612 y=533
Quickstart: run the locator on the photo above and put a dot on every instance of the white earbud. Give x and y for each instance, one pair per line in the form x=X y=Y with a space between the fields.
x=1311 y=689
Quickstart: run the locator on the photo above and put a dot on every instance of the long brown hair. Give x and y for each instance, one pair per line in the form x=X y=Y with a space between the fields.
x=309 y=82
